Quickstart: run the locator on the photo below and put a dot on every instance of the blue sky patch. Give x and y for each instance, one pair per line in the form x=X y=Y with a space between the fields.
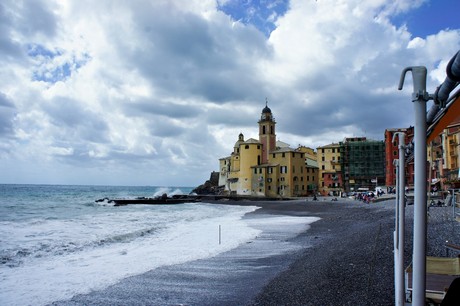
x=260 y=13
x=51 y=66
x=430 y=18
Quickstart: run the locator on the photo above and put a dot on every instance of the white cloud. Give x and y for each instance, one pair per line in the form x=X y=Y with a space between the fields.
x=154 y=92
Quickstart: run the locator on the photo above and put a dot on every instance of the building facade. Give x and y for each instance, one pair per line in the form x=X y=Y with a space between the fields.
x=330 y=175
x=452 y=137
x=264 y=167
x=363 y=163
x=392 y=153
x=311 y=163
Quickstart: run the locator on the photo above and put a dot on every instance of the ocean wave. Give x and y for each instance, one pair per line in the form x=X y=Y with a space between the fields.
x=16 y=257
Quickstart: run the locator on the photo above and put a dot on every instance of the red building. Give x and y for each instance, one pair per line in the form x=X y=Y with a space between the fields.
x=392 y=153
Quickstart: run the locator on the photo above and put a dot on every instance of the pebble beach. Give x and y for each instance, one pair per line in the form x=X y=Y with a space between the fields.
x=345 y=257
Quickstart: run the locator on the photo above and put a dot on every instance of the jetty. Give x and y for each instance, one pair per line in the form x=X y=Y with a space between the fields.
x=182 y=199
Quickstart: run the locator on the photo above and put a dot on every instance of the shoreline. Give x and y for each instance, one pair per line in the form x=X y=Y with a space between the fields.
x=345 y=258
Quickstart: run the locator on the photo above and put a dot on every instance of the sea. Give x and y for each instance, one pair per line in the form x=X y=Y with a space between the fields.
x=56 y=241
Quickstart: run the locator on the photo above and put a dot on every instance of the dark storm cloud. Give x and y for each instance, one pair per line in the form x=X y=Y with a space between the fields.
x=145 y=108
x=34 y=17
x=28 y=18
x=237 y=114
x=75 y=121
x=194 y=57
x=164 y=127
x=344 y=106
x=7 y=113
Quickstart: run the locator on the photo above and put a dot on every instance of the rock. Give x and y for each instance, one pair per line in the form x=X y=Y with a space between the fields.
x=210 y=186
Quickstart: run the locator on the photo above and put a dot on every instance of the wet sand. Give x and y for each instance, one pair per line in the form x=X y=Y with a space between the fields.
x=346 y=258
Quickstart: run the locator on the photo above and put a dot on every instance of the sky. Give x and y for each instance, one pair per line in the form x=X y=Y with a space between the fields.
x=153 y=93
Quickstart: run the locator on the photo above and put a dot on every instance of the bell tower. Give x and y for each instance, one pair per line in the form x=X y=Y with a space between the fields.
x=267 y=136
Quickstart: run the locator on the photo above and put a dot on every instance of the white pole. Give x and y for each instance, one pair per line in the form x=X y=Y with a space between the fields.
x=401 y=217
x=396 y=236
x=419 y=251
x=419 y=97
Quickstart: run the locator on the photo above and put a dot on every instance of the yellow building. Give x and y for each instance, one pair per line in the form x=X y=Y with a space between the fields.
x=328 y=158
x=311 y=163
x=452 y=137
x=264 y=167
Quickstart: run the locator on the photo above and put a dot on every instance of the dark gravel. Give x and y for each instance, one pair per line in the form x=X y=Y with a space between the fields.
x=352 y=262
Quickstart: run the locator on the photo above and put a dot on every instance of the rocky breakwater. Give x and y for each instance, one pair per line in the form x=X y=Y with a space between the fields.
x=211 y=186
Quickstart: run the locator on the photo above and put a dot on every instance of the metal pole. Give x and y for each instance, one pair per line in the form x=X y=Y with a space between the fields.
x=401 y=217
x=396 y=236
x=220 y=234
x=419 y=251
x=419 y=97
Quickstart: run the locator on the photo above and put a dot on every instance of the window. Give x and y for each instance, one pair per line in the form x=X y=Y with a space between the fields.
x=283 y=155
x=323 y=158
x=323 y=167
x=308 y=177
x=333 y=150
x=273 y=155
x=246 y=146
x=283 y=169
x=269 y=180
x=270 y=170
x=263 y=129
x=255 y=170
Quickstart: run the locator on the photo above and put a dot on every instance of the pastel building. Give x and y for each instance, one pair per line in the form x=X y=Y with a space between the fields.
x=330 y=178
x=264 y=166
x=392 y=153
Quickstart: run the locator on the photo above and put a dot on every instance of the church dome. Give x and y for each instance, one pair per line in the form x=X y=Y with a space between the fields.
x=240 y=140
x=266 y=110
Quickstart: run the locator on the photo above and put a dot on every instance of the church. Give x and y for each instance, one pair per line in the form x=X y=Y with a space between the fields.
x=264 y=166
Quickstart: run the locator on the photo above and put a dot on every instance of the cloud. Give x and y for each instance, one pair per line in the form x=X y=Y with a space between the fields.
x=7 y=113
x=154 y=92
